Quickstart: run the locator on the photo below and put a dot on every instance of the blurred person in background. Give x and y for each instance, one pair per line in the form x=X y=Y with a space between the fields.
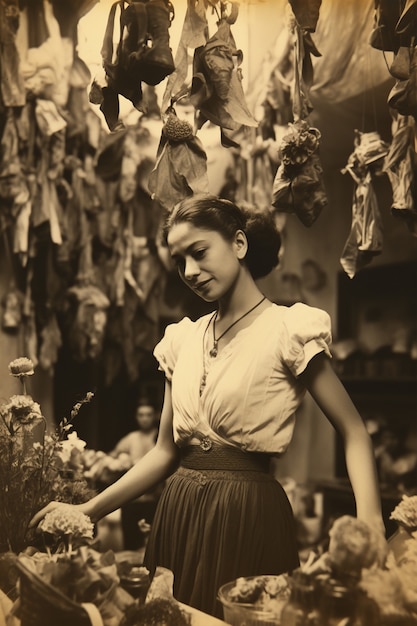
x=130 y=449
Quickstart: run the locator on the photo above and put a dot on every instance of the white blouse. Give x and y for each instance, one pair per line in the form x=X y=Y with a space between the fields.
x=251 y=392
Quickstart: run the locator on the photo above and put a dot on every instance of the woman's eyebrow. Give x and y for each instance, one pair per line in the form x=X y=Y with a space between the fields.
x=189 y=248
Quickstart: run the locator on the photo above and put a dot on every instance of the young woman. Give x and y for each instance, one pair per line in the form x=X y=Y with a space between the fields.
x=234 y=379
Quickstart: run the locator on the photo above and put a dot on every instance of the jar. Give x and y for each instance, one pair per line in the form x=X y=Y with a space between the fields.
x=398 y=542
x=136 y=582
x=337 y=604
x=300 y=608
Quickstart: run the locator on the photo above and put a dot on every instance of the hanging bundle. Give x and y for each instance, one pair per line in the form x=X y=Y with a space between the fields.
x=395 y=30
x=142 y=54
x=181 y=166
x=401 y=167
x=298 y=185
x=365 y=238
x=216 y=89
x=88 y=323
x=403 y=96
x=394 y=24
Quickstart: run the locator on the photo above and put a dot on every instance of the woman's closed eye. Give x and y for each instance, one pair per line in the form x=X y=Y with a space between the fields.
x=198 y=254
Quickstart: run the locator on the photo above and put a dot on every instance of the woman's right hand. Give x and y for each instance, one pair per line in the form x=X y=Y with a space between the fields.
x=84 y=508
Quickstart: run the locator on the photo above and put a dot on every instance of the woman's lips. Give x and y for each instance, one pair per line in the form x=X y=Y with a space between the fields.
x=202 y=285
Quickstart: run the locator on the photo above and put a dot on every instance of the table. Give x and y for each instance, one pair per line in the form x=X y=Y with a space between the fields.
x=202 y=619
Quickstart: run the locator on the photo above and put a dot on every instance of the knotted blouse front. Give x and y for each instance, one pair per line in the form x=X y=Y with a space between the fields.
x=252 y=391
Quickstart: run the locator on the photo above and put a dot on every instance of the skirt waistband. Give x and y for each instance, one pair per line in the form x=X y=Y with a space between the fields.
x=220 y=457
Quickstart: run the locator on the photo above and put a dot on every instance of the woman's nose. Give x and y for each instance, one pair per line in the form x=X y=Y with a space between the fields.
x=191 y=268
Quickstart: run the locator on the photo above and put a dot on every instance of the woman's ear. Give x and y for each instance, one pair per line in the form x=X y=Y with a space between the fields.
x=241 y=244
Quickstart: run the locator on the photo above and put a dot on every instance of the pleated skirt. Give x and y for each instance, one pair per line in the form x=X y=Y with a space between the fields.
x=222 y=515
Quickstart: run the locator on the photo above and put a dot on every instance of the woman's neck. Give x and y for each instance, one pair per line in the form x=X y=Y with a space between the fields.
x=240 y=298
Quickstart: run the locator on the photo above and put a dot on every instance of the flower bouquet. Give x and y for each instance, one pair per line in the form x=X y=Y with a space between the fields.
x=74 y=585
x=381 y=582
x=36 y=466
x=79 y=585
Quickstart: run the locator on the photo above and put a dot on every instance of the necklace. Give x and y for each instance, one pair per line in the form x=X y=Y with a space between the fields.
x=204 y=377
x=214 y=350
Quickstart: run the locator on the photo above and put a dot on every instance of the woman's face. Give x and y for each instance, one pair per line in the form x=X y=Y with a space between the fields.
x=206 y=261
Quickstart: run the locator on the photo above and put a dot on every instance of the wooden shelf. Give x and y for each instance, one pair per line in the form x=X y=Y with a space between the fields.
x=374 y=309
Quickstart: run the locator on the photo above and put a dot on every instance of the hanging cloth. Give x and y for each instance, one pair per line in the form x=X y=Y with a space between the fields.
x=12 y=88
x=401 y=167
x=142 y=54
x=365 y=237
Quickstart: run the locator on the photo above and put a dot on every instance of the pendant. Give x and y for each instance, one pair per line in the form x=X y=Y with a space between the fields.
x=213 y=351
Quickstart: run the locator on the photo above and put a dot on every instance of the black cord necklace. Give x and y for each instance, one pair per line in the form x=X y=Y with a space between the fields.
x=214 y=350
x=204 y=376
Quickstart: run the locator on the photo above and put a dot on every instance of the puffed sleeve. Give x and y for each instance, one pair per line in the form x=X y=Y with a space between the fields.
x=166 y=351
x=308 y=332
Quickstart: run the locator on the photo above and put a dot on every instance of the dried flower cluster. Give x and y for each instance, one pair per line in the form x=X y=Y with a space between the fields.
x=405 y=513
x=36 y=466
x=299 y=144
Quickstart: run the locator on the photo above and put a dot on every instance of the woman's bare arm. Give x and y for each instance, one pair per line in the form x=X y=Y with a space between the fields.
x=333 y=399
x=143 y=476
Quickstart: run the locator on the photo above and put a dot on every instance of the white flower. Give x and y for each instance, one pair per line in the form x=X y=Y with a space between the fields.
x=405 y=513
x=69 y=446
x=66 y=520
x=21 y=408
x=21 y=367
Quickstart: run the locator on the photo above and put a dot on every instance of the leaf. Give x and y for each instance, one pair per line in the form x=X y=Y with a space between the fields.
x=236 y=104
x=216 y=89
x=180 y=171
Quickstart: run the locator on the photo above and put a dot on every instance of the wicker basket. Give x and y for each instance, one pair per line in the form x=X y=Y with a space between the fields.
x=44 y=605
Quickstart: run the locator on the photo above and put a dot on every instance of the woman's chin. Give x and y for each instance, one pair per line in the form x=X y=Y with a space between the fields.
x=206 y=297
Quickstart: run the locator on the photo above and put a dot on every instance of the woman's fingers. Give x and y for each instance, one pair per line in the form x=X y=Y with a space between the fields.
x=42 y=512
x=54 y=505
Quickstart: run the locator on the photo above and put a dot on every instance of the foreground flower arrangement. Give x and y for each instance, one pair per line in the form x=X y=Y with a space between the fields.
x=372 y=584
x=59 y=567
x=36 y=465
x=74 y=575
x=57 y=570
x=80 y=583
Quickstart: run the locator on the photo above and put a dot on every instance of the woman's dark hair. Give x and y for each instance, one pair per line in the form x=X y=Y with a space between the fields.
x=212 y=213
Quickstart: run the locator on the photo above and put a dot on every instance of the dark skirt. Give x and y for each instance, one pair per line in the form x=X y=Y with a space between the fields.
x=213 y=525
